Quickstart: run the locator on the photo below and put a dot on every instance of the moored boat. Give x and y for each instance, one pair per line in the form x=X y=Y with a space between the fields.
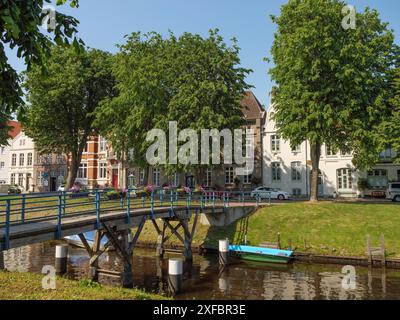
x=261 y=254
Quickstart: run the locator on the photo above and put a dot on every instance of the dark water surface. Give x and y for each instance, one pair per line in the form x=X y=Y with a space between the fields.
x=204 y=279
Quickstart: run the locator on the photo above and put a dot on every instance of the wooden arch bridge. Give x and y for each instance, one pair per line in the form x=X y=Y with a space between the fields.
x=34 y=218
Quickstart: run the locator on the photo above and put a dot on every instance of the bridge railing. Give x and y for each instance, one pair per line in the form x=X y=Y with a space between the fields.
x=34 y=207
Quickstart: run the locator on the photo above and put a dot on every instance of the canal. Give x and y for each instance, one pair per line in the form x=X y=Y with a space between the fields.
x=204 y=279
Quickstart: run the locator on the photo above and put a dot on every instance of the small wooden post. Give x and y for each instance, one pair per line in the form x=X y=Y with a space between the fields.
x=383 y=251
x=369 y=250
x=290 y=244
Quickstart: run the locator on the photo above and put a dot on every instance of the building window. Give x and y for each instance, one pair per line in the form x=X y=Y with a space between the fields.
x=102 y=170
x=156 y=177
x=276 y=171
x=22 y=142
x=2 y=165
x=296 y=171
x=21 y=159
x=247 y=176
x=344 y=179
x=330 y=152
x=14 y=160
x=30 y=159
x=229 y=175
x=12 y=179
x=49 y=159
x=296 y=192
x=175 y=180
x=398 y=175
x=59 y=159
x=208 y=178
x=82 y=172
x=141 y=177
x=102 y=144
x=275 y=143
x=378 y=178
x=21 y=180
x=296 y=149
x=40 y=178
x=388 y=155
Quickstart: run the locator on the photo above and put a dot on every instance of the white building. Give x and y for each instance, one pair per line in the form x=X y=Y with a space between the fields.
x=5 y=153
x=290 y=170
x=21 y=155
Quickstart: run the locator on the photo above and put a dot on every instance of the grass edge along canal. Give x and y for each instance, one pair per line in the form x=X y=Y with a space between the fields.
x=325 y=228
x=28 y=286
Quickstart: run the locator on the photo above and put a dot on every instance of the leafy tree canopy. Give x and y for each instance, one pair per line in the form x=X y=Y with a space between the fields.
x=20 y=23
x=61 y=101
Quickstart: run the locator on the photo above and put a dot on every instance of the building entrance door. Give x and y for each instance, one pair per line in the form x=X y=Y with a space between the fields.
x=53 y=184
x=114 y=180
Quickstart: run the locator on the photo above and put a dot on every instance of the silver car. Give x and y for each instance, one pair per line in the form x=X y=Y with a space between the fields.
x=393 y=192
x=266 y=193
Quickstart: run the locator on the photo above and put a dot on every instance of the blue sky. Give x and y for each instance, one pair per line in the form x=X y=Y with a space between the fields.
x=103 y=24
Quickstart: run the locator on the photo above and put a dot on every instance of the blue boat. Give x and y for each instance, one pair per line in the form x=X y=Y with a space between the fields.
x=261 y=254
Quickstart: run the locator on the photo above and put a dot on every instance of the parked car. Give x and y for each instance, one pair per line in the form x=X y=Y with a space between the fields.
x=393 y=191
x=265 y=193
x=14 y=189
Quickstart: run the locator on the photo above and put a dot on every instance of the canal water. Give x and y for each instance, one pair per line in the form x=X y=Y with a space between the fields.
x=204 y=279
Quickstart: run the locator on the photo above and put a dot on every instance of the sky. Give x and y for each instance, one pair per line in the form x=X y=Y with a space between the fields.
x=104 y=23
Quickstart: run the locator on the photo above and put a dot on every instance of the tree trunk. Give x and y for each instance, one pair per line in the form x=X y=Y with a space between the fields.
x=199 y=176
x=72 y=170
x=315 y=154
x=146 y=176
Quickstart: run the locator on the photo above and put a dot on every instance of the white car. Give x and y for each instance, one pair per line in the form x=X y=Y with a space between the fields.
x=393 y=192
x=274 y=193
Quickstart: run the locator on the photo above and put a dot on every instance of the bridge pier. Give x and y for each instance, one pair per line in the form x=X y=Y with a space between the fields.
x=182 y=222
x=2 y=265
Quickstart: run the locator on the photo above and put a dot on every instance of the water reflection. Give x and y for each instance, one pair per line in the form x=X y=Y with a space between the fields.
x=205 y=279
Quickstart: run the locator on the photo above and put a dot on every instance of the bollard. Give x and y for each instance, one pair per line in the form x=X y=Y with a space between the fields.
x=223 y=252
x=61 y=259
x=175 y=272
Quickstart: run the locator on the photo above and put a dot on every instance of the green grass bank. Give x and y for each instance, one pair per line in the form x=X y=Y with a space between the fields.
x=330 y=228
x=28 y=286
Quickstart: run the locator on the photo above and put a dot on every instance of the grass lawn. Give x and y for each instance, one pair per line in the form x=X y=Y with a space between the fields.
x=27 y=286
x=323 y=228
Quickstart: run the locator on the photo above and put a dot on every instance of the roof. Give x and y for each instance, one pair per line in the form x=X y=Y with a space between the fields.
x=16 y=128
x=251 y=107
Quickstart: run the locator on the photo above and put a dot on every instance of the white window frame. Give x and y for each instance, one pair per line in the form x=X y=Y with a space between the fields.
x=21 y=159
x=344 y=179
x=156 y=177
x=102 y=144
x=275 y=143
x=12 y=179
x=14 y=160
x=83 y=171
x=276 y=171
x=296 y=171
x=209 y=177
x=102 y=171
x=229 y=175
x=29 y=160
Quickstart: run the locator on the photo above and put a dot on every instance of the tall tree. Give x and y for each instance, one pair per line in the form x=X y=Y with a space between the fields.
x=331 y=81
x=62 y=99
x=208 y=87
x=140 y=72
x=20 y=23
x=194 y=81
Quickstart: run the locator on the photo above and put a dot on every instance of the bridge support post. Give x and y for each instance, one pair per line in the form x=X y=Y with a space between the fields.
x=160 y=241
x=127 y=275
x=2 y=265
x=188 y=241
